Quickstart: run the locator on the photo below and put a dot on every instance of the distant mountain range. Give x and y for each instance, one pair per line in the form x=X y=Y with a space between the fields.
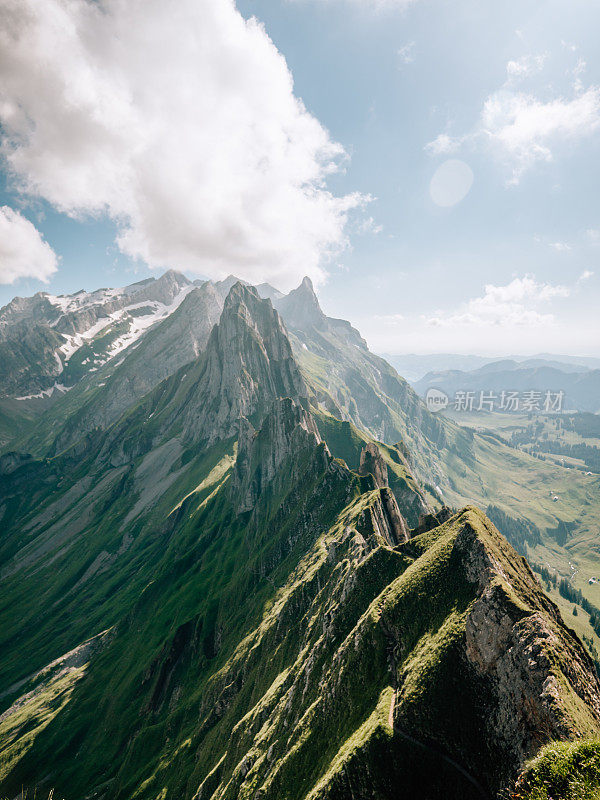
x=580 y=385
x=414 y=367
x=240 y=558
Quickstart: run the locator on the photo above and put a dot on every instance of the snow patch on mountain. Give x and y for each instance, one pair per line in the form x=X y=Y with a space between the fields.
x=137 y=324
x=58 y=387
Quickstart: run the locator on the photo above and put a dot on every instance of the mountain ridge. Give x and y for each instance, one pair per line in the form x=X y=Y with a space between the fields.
x=213 y=605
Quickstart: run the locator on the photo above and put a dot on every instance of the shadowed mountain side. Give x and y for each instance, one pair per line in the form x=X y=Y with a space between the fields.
x=312 y=668
x=351 y=383
x=456 y=465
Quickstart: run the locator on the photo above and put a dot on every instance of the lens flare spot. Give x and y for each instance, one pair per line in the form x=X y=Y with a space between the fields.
x=451 y=183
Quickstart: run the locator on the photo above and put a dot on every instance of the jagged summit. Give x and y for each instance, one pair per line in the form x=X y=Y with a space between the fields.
x=165 y=288
x=372 y=463
x=177 y=340
x=300 y=308
x=224 y=286
x=265 y=290
x=249 y=360
x=49 y=343
x=247 y=364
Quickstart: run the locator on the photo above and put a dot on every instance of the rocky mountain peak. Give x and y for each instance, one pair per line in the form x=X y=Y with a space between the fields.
x=247 y=365
x=224 y=286
x=300 y=308
x=265 y=290
x=394 y=525
x=164 y=289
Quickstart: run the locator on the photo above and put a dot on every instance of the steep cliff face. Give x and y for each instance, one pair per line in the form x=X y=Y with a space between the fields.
x=300 y=308
x=288 y=434
x=324 y=662
x=248 y=362
x=176 y=341
x=399 y=697
x=372 y=463
x=28 y=358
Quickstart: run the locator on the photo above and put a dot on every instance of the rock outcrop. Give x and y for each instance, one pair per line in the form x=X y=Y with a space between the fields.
x=372 y=463
x=177 y=340
x=34 y=330
x=273 y=634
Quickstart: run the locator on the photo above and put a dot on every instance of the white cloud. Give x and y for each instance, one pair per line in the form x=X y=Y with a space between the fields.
x=180 y=122
x=518 y=303
x=368 y=226
x=585 y=275
x=562 y=247
x=23 y=252
x=525 y=67
x=443 y=144
x=407 y=53
x=524 y=129
x=521 y=129
x=569 y=46
x=577 y=72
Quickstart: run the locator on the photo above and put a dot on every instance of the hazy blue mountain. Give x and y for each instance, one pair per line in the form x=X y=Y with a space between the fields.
x=414 y=367
x=581 y=386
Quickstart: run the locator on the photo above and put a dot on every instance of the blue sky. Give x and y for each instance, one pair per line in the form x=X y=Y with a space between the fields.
x=507 y=93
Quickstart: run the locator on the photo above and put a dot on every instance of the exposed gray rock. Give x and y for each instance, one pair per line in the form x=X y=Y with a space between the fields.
x=521 y=653
x=248 y=361
x=177 y=340
x=300 y=308
x=288 y=434
x=34 y=329
x=371 y=461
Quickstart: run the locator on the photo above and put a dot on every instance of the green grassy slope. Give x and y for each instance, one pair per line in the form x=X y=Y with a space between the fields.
x=459 y=464
x=562 y=771
x=320 y=673
x=489 y=471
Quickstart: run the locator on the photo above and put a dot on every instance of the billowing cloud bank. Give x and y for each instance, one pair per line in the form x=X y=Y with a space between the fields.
x=180 y=122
